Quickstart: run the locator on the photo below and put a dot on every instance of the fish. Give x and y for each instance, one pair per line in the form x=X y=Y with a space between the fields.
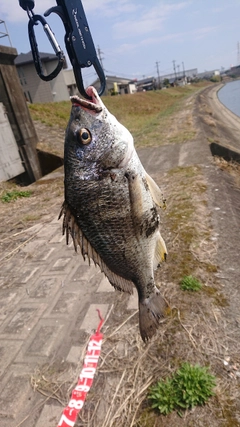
x=111 y=206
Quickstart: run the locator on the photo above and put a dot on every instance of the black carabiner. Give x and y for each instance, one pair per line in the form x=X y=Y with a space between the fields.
x=33 y=20
x=79 y=42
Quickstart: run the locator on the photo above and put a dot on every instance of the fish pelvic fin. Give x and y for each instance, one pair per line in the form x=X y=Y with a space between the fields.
x=160 y=254
x=155 y=192
x=151 y=310
x=71 y=228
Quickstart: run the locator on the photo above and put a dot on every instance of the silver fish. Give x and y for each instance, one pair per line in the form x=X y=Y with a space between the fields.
x=110 y=207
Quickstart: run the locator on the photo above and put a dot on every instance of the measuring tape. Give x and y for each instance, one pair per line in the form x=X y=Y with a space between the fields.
x=79 y=394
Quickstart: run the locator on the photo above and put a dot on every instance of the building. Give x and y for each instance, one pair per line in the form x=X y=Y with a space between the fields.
x=234 y=71
x=70 y=82
x=148 y=83
x=207 y=75
x=35 y=89
x=116 y=85
x=180 y=76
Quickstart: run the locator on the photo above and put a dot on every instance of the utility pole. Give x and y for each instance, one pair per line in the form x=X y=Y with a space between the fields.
x=174 y=68
x=183 y=69
x=238 y=53
x=178 y=70
x=100 y=56
x=158 y=74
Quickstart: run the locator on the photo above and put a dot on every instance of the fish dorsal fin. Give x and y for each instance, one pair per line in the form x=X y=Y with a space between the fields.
x=70 y=227
x=160 y=254
x=155 y=192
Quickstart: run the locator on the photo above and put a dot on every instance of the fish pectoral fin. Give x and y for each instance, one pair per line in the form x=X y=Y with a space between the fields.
x=151 y=310
x=70 y=227
x=155 y=192
x=160 y=251
x=136 y=197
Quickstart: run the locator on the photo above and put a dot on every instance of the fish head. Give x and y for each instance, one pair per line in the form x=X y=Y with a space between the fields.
x=95 y=140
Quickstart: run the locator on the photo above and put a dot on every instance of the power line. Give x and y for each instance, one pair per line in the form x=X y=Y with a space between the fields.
x=183 y=69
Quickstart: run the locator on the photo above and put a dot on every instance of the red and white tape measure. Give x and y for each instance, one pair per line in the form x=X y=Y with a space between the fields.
x=85 y=381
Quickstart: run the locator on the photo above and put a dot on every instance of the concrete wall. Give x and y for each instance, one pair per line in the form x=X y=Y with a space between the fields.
x=12 y=97
x=10 y=160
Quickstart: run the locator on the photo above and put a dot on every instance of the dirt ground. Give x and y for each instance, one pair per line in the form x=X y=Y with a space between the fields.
x=201 y=229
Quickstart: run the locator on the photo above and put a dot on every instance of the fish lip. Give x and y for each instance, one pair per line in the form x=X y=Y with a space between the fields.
x=94 y=105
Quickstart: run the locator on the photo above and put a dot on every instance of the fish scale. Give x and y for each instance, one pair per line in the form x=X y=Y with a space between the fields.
x=110 y=207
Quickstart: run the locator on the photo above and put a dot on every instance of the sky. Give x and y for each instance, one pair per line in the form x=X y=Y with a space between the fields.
x=134 y=35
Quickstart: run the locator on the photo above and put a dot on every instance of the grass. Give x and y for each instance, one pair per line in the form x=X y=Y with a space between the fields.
x=188 y=387
x=190 y=283
x=147 y=115
x=186 y=206
x=9 y=196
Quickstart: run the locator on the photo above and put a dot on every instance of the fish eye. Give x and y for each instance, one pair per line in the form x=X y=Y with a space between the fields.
x=85 y=136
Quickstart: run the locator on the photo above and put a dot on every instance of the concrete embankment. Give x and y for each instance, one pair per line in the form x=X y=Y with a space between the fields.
x=221 y=126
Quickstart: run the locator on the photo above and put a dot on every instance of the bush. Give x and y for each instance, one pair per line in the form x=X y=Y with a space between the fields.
x=189 y=386
x=215 y=79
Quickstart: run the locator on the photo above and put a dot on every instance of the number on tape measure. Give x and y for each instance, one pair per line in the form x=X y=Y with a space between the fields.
x=65 y=421
x=87 y=373
x=76 y=404
x=82 y=387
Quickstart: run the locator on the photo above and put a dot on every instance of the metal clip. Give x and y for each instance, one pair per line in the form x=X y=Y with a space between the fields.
x=78 y=40
x=33 y=20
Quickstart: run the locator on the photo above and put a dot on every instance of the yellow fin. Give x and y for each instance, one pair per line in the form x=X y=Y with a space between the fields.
x=160 y=251
x=156 y=192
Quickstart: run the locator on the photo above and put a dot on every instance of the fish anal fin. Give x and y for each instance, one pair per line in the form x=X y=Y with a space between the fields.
x=71 y=227
x=155 y=192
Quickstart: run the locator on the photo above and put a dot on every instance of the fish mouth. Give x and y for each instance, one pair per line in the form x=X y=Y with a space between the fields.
x=94 y=105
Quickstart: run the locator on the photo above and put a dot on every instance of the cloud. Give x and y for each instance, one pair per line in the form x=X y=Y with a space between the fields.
x=110 y=8
x=10 y=11
x=200 y=33
x=179 y=37
x=149 y=20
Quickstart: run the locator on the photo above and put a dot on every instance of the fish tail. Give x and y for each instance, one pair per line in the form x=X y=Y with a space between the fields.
x=151 y=310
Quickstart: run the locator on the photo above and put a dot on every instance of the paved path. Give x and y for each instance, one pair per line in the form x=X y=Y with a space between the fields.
x=54 y=299
x=51 y=309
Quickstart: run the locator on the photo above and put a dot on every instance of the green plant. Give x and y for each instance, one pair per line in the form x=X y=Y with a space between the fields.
x=190 y=283
x=163 y=396
x=194 y=385
x=8 y=196
x=188 y=387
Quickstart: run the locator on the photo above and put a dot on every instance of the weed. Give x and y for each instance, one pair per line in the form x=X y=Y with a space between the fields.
x=188 y=387
x=8 y=196
x=190 y=283
x=163 y=396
